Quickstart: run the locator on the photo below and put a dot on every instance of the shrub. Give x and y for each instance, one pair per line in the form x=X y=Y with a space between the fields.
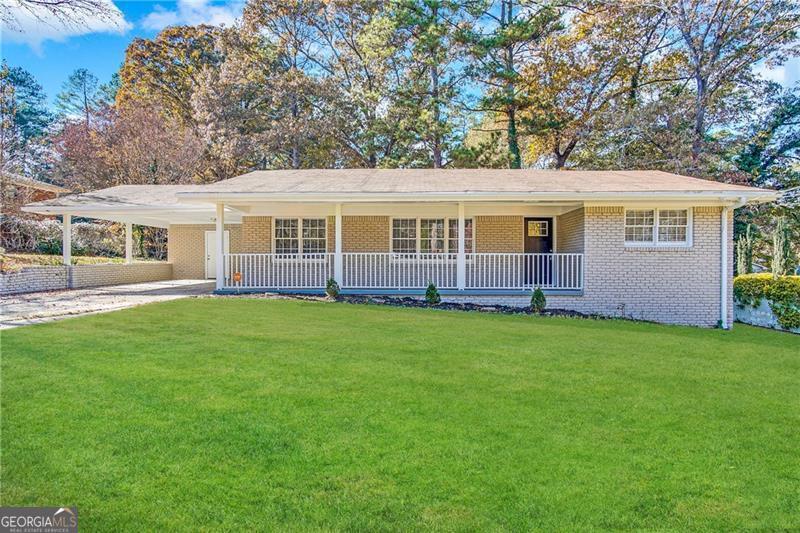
x=781 y=248
x=332 y=288
x=744 y=252
x=782 y=293
x=432 y=295
x=538 y=301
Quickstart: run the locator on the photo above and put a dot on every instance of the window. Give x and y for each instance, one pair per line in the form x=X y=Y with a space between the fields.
x=657 y=227
x=429 y=235
x=453 y=236
x=314 y=236
x=404 y=235
x=672 y=225
x=639 y=225
x=300 y=235
x=538 y=228
x=286 y=241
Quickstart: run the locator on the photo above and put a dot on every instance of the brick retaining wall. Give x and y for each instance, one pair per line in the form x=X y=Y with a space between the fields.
x=50 y=278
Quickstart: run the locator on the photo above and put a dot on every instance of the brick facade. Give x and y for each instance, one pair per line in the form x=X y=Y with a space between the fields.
x=186 y=248
x=673 y=285
x=499 y=234
x=256 y=235
x=570 y=232
x=365 y=234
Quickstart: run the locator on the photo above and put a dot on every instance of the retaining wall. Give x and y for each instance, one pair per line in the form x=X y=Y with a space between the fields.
x=50 y=278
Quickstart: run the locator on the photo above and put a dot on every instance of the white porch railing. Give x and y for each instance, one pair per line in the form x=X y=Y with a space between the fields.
x=486 y=271
x=277 y=271
x=398 y=271
x=525 y=271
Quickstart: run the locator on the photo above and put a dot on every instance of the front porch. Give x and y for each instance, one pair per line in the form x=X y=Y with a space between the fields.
x=371 y=272
x=399 y=248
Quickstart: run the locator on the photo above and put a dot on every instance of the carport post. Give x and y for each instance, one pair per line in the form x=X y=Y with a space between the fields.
x=220 y=236
x=128 y=242
x=66 y=240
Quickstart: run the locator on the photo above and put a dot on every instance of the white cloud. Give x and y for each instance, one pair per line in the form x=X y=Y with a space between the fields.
x=37 y=26
x=193 y=12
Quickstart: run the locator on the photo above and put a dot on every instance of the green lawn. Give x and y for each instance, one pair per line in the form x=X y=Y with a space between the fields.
x=236 y=413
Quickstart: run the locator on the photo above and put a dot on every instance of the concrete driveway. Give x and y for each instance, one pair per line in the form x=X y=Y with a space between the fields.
x=33 y=308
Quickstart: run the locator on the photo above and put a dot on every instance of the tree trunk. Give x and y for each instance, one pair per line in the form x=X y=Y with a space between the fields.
x=437 y=112
x=699 y=122
x=515 y=161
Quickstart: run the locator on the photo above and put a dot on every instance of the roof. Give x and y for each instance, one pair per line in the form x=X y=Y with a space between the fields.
x=422 y=181
x=154 y=205
x=164 y=204
x=23 y=181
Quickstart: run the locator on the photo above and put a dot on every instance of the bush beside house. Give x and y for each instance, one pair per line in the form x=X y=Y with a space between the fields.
x=759 y=295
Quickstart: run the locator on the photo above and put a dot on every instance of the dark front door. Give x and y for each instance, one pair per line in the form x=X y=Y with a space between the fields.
x=538 y=240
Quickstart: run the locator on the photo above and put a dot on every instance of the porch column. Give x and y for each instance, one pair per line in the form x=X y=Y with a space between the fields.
x=338 y=259
x=461 y=263
x=66 y=240
x=128 y=242
x=220 y=236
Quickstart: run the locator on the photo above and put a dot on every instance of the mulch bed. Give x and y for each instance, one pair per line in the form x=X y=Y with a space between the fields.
x=405 y=301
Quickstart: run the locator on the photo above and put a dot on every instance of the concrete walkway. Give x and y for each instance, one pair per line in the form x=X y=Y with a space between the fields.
x=33 y=308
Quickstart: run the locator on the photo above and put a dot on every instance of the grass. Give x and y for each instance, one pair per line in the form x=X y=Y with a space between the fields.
x=255 y=414
x=12 y=262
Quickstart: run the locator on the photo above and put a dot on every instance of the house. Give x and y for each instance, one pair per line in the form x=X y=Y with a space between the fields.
x=18 y=190
x=641 y=244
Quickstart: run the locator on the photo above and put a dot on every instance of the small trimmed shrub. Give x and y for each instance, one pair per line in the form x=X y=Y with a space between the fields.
x=782 y=294
x=538 y=301
x=332 y=288
x=432 y=295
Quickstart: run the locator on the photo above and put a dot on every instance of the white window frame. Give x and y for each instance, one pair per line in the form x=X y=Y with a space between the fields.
x=449 y=254
x=655 y=243
x=300 y=255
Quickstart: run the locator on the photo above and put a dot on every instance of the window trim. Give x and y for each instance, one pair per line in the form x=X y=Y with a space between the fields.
x=300 y=255
x=655 y=243
x=447 y=253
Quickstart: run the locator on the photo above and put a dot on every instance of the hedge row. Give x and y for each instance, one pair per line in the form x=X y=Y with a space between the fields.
x=782 y=294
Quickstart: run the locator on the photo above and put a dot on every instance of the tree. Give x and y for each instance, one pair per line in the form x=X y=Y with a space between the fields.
x=24 y=121
x=781 y=248
x=744 y=252
x=80 y=95
x=587 y=77
x=504 y=37
x=65 y=11
x=721 y=42
x=163 y=72
x=432 y=66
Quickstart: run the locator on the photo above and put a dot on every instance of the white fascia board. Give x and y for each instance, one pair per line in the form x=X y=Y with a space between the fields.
x=599 y=197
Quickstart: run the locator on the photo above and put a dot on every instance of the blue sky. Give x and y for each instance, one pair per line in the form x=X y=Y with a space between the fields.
x=51 y=52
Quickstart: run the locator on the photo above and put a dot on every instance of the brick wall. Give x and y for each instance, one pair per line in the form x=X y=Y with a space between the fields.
x=570 y=232
x=34 y=279
x=499 y=234
x=186 y=248
x=365 y=234
x=256 y=235
x=49 y=278
x=672 y=285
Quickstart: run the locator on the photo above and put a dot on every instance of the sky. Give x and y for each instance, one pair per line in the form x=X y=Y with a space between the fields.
x=51 y=52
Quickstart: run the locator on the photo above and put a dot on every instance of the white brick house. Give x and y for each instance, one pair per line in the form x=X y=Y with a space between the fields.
x=643 y=244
